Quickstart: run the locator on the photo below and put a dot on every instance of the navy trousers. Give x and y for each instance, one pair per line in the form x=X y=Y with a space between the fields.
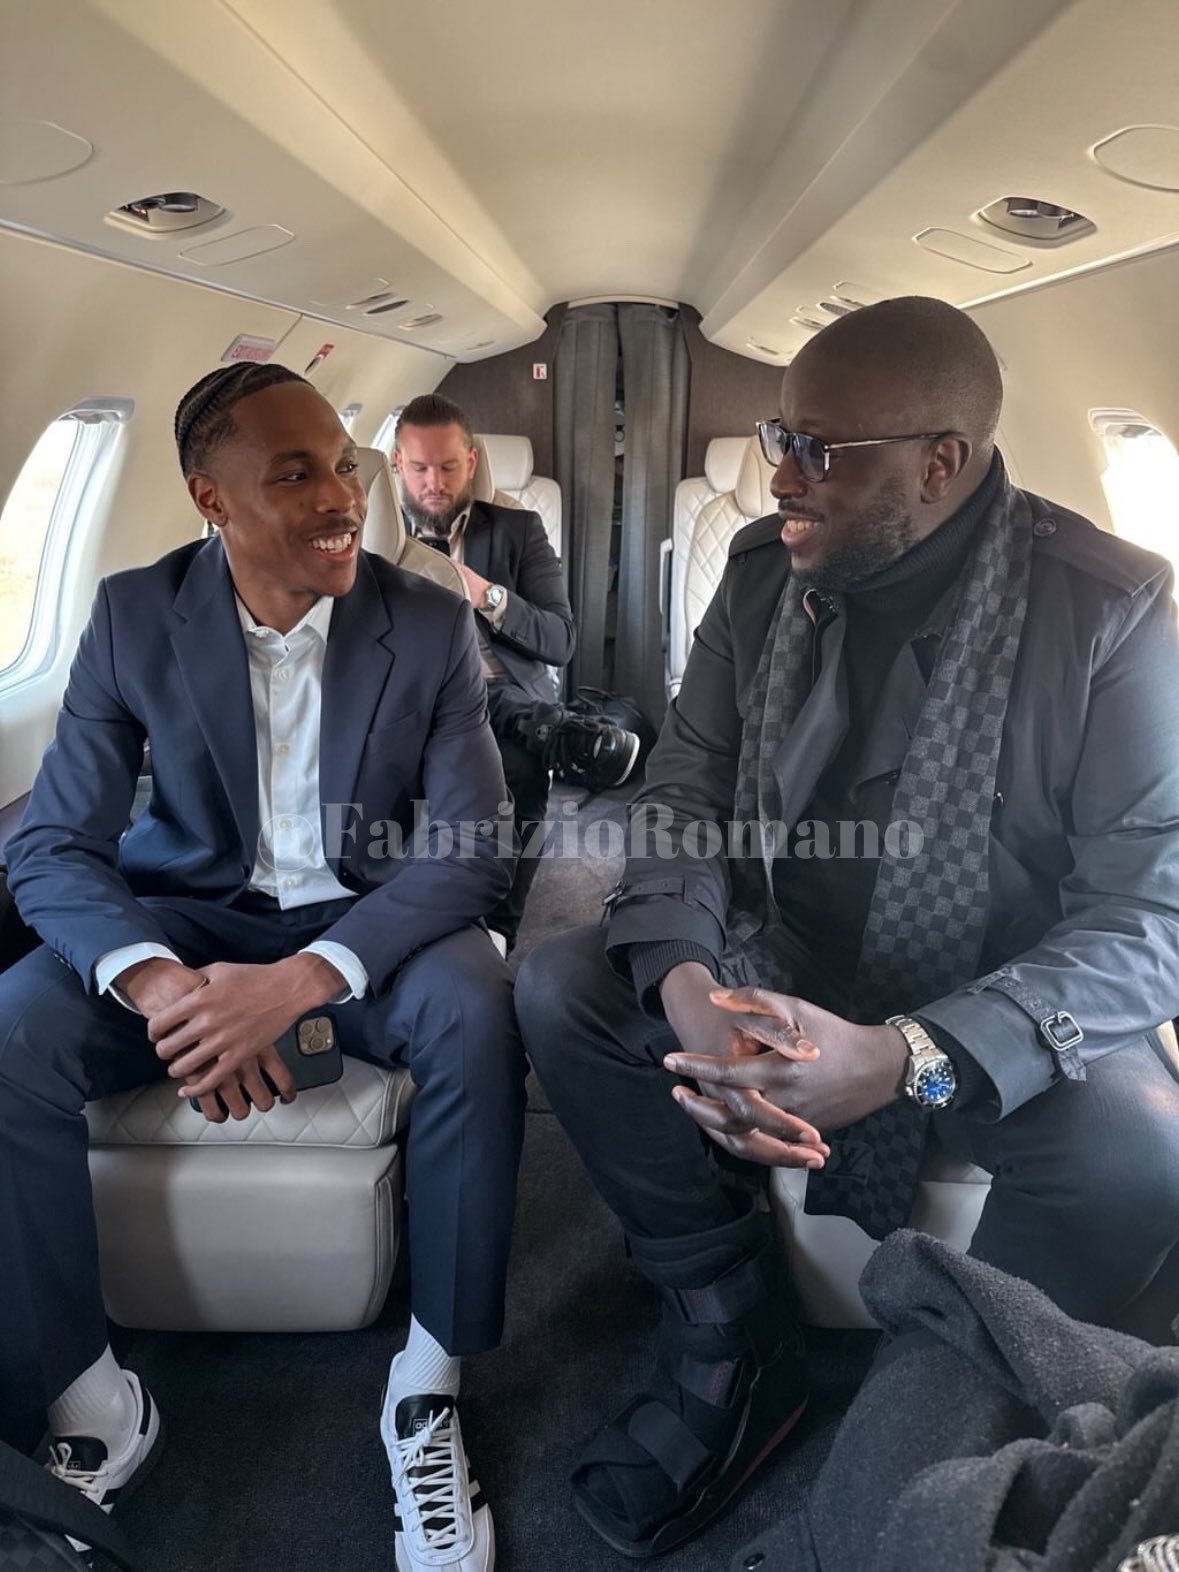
x=1084 y=1199
x=448 y=1017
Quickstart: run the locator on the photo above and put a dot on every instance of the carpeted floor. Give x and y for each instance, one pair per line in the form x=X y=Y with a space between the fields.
x=273 y=1462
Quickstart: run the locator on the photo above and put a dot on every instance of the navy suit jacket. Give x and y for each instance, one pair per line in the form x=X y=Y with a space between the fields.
x=163 y=661
x=509 y=546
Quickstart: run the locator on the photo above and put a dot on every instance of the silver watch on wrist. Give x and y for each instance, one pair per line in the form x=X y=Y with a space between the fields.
x=930 y=1078
x=493 y=597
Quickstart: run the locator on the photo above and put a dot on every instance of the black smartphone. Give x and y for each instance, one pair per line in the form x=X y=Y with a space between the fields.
x=310 y=1052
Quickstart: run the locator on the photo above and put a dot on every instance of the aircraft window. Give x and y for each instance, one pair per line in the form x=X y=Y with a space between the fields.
x=349 y=416
x=387 y=430
x=59 y=486
x=1141 y=481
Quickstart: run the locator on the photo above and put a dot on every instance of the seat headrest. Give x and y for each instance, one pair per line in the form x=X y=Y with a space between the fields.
x=510 y=459
x=753 y=483
x=484 y=483
x=384 y=529
x=722 y=462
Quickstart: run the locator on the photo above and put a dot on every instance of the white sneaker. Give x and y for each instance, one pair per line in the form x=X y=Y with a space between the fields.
x=441 y=1517
x=85 y=1463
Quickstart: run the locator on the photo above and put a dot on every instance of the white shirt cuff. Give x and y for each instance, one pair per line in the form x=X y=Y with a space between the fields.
x=348 y=966
x=115 y=962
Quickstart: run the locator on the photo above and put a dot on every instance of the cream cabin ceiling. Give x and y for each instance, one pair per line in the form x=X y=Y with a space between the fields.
x=486 y=159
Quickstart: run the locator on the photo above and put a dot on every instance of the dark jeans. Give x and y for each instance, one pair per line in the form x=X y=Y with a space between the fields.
x=528 y=782
x=1084 y=1199
x=448 y=1017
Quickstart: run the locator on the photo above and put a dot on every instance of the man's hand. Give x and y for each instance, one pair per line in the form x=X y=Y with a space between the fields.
x=155 y=984
x=223 y=1028
x=477 y=586
x=244 y=1089
x=714 y=1035
x=822 y=1068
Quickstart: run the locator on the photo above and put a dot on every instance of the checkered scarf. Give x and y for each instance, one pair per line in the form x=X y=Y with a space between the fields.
x=928 y=915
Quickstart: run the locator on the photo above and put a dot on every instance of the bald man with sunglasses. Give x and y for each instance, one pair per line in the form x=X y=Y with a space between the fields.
x=907 y=856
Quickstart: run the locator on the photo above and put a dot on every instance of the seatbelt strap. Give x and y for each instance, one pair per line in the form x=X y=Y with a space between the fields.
x=34 y=1494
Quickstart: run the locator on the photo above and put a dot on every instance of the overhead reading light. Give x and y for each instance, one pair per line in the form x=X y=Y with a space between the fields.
x=837 y=308
x=1032 y=218
x=763 y=349
x=427 y=319
x=166 y=213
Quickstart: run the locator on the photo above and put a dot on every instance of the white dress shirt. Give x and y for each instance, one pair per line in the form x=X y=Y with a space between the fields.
x=286 y=689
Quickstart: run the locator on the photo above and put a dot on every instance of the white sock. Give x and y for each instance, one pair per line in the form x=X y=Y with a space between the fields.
x=422 y=1366
x=99 y=1403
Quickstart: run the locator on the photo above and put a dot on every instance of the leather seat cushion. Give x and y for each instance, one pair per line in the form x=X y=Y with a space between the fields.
x=365 y=1108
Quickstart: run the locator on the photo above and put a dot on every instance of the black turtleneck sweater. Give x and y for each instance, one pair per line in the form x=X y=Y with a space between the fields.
x=824 y=901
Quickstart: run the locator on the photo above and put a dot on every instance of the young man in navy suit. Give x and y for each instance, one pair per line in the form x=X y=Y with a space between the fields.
x=525 y=626
x=283 y=678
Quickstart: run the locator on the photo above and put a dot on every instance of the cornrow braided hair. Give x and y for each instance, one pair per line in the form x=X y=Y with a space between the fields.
x=204 y=416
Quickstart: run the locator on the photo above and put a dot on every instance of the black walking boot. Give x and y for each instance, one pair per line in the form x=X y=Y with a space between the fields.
x=730 y=1384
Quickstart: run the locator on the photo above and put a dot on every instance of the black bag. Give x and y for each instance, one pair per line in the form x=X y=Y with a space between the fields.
x=37 y=1511
x=616 y=710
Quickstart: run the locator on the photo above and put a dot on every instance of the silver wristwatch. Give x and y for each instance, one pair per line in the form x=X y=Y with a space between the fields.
x=493 y=597
x=930 y=1078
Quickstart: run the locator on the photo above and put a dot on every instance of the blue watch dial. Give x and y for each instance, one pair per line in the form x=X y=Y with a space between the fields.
x=936 y=1084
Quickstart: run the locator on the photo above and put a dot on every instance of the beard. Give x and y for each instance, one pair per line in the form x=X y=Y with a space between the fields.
x=423 y=521
x=881 y=534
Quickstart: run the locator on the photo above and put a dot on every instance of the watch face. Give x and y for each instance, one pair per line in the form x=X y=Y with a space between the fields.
x=935 y=1084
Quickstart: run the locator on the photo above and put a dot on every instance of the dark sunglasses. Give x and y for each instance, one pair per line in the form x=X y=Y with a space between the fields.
x=812 y=454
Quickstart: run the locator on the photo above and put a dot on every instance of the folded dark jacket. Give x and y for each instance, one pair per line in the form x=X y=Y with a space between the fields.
x=994 y=1433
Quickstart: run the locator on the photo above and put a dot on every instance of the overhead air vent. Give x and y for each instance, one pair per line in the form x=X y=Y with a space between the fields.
x=809 y=317
x=427 y=319
x=1032 y=218
x=166 y=213
x=837 y=308
x=763 y=349
x=391 y=303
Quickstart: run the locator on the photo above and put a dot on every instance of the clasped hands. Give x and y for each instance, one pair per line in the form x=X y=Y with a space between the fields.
x=774 y=1071
x=216 y=1026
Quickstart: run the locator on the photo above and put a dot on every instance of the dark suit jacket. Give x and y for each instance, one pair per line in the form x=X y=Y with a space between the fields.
x=163 y=659
x=1084 y=863
x=509 y=547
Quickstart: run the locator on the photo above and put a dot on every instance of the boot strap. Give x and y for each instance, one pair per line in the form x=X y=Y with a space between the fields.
x=728 y=1299
x=663 y=1435
x=713 y=1383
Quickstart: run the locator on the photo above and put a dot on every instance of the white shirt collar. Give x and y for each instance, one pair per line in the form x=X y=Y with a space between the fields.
x=318 y=620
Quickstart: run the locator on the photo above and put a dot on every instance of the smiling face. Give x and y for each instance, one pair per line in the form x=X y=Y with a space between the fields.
x=875 y=503
x=437 y=466
x=284 y=490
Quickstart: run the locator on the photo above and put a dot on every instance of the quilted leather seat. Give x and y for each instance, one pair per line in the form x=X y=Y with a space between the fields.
x=707 y=512
x=291 y=1220
x=509 y=463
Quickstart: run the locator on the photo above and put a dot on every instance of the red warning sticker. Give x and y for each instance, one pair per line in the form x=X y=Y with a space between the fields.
x=247 y=347
x=320 y=355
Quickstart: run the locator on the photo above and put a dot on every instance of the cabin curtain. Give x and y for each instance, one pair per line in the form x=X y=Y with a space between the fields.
x=655 y=368
x=584 y=375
